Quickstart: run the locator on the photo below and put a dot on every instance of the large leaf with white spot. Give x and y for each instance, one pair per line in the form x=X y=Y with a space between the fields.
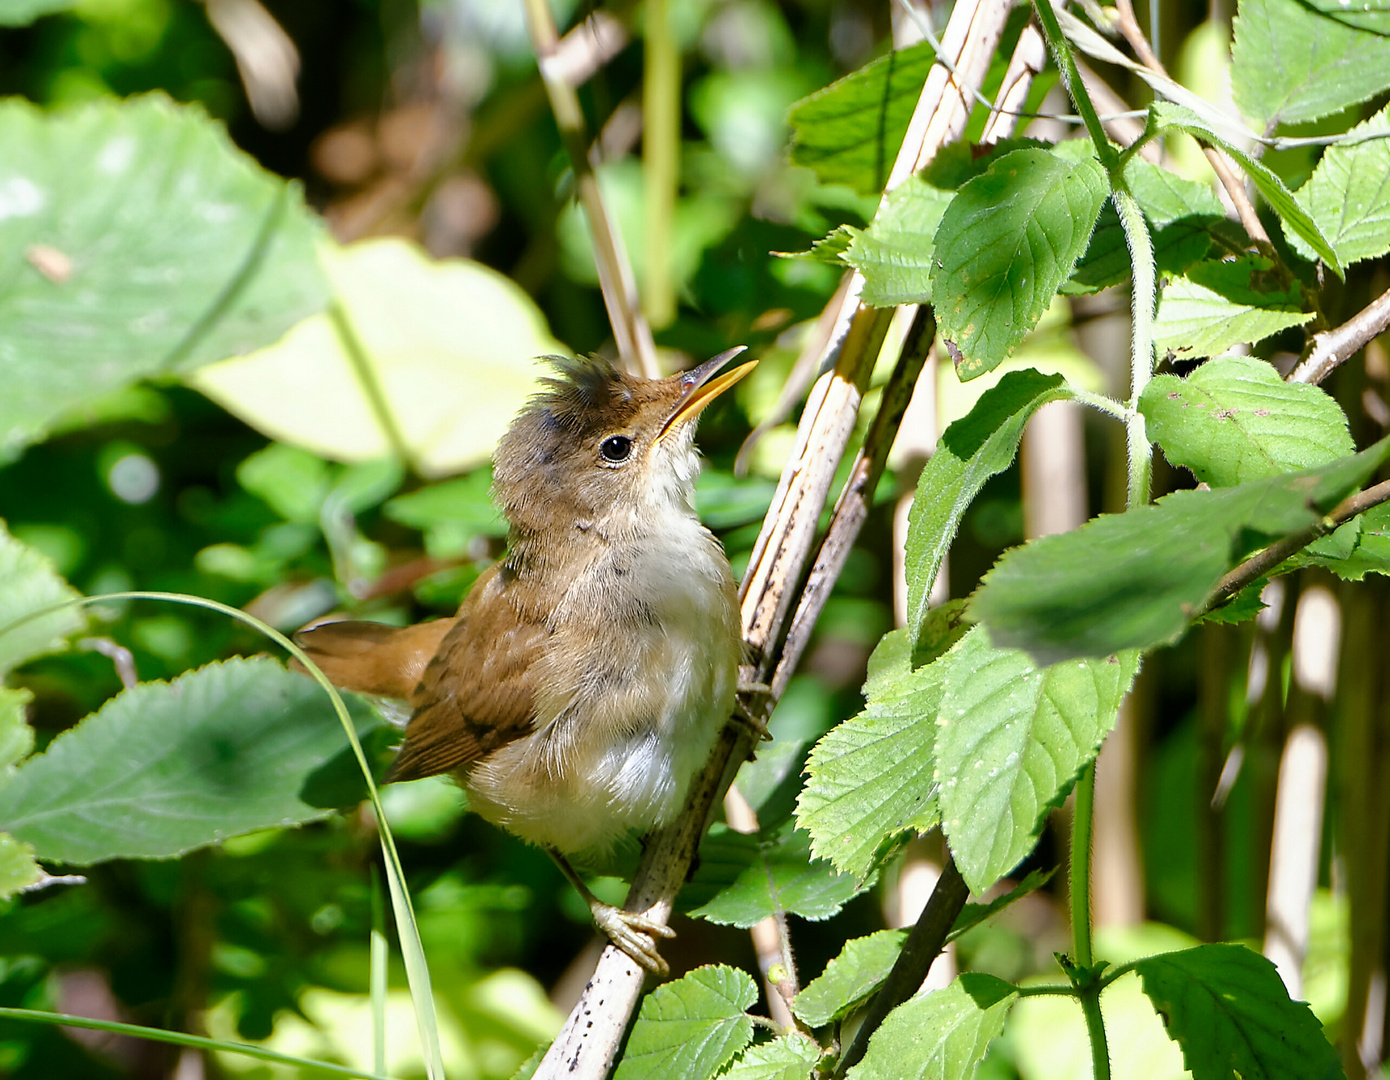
x=135 y=241
x=427 y=359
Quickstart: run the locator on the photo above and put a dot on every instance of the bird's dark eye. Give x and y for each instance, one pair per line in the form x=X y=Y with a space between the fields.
x=616 y=448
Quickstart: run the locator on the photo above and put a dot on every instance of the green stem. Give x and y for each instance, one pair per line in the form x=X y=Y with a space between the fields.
x=1095 y=1030
x=1141 y=254
x=661 y=148
x=180 y=1038
x=1083 y=815
x=1071 y=77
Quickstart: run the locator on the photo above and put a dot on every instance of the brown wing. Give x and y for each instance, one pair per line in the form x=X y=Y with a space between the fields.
x=373 y=658
x=476 y=694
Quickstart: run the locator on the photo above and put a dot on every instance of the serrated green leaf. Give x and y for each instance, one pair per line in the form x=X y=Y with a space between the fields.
x=1371 y=555
x=850 y=132
x=691 y=1027
x=1013 y=737
x=848 y=980
x=1180 y=214
x=1291 y=63
x=939 y=1036
x=1132 y=580
x=1229 y=1011
x=1165 y=114
x=1366 y=15
x=1006 y=243
x=18 y=870
x=204 y=255
x=1234 y=419
x=870 y=777
x=1348 y=195
x=167 y=767
x=970 y=451
x=973 y=914
x=787 y=1057
x=1245 y=605
x=16 y=736
x=895 y=252
x=754 y=877
x=28 y=583
x=1212 y=308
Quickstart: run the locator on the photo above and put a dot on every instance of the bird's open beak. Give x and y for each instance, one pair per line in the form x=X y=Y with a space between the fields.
x=699 y=387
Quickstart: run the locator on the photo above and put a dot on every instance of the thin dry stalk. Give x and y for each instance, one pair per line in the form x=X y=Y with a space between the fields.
x=634 y=337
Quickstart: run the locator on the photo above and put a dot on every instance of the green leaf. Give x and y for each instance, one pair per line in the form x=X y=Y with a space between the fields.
x=203 y=255
x=28 y=583
x=850 y=978
x=972 y=915
x=895 y=252
x=1348 y=195
x=464 y=499
x=691 y=1027
x=1290 y=63
x=939 y=1036
x=870 y=777
x=850 y=132
x=1371 y=554
x=787 y=1057
x=1367 y=15
x=1165 y=114
x=18 y=870
x=1218 y=304
x=1006 y=243
x=1229 y=1011
x=423 y=359
x=1180 y=213
x=1234 y=419
x=758 y=876
x=970 y=451
x=167 y=767
x=1132 y=580
x=16 y=736
x=291 y=481
x=1245 y=605
x=1012 y=739
x=23 y=12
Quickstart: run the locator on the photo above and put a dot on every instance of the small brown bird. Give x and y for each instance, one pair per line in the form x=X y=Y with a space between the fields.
x=584 y=680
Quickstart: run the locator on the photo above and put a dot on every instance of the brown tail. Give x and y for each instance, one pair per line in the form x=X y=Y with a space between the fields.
x=373 y=658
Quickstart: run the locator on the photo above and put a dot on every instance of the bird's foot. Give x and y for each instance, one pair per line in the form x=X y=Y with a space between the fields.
x=633 y=933
x=756 y=725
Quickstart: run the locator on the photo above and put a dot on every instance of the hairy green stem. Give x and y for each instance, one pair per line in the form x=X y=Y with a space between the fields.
x=1141 y=254
x=1071 y=77
x=1082 y=818
x=1095 y=1030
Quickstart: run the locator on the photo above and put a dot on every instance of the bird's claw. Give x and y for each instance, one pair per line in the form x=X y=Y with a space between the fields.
x=756 y=725
x=634 y=934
